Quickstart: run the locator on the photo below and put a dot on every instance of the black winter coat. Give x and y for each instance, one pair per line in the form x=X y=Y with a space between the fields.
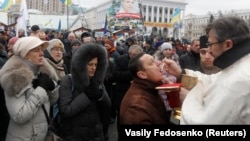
x=83 y=119
x=190 y=61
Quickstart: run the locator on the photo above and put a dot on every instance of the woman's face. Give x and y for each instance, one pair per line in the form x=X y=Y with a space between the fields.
x=91 y=67
x=167 y=53
x=36 y=55
x=128 y=5
x=57 y=53
x=74 y=47
x=107 y=46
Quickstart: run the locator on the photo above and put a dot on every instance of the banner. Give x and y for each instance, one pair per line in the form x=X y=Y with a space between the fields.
x=128 y=9
x=121 y=17
x=23 y=17
x=157 y=24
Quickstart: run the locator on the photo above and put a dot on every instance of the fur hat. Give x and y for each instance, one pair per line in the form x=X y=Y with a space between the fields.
x=25 y=44
x=55 y=43
x=166 y=45
x=80 y=59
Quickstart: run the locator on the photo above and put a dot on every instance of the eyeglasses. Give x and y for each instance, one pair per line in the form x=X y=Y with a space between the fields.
x=57 y=49
x=210 y=44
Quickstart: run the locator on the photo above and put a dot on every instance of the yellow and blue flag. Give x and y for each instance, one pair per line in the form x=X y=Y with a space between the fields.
x=67 y=2
x=6 y=5
x=177 y=16
x=48 y=22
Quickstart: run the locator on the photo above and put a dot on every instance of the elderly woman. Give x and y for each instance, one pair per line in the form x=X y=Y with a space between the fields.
x=29 y=84
x=55 y=57
x=83 y=102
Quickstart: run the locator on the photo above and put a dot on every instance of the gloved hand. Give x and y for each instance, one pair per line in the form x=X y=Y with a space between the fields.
x=35 y=83
x=46 y=82
x=94 y=92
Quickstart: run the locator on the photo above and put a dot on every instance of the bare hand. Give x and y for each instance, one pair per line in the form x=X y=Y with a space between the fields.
x=171 y=67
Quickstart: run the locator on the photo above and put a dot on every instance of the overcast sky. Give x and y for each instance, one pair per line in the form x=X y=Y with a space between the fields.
x=198 y=7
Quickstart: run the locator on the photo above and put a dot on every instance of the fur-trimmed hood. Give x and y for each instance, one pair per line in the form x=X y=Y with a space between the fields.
x=16 y=74
x=80 y=59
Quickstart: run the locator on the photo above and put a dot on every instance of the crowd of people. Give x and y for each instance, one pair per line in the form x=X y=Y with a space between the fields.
x=91 y=82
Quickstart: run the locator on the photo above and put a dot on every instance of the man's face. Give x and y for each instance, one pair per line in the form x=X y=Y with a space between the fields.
x=71 y=37
x=146 y=45
x=215 y=47
x=195 y=47
x=20 y=33
x=151 y=71
x=206 y=57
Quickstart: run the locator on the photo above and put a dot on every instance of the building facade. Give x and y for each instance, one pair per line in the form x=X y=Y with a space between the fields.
x=49 y=7
x=156 y=16
x=194 y=25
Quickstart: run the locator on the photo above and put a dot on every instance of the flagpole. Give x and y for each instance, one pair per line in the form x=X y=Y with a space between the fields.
x=142 y=17
x=67 y=17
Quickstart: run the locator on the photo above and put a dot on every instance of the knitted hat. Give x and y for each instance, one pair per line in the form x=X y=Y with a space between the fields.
x=158 y=44
x=55 y=43
x=85 y=34
x=166 y=45
x=13 y=40
x=203 y=41
x=75 y=41
x=25 y=44
x=35 y=28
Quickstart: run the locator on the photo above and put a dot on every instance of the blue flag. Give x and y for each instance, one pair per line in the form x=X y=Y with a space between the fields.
x=105 y=30
x=59 y=25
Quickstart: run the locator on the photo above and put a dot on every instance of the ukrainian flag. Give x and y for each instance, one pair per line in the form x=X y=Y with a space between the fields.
x=47 y=23
x=6 y=5
x=67 y=2
x=176 y=17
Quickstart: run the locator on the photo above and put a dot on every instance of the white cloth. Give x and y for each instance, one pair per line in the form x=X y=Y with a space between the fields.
x=221 y=98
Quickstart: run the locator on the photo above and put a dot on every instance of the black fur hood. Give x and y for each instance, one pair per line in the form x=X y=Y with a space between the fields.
x=16 y=74
x=80 y=59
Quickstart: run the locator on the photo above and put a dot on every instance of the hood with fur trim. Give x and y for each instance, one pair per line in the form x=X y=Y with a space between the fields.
x=80 y=59
x=16 y=74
